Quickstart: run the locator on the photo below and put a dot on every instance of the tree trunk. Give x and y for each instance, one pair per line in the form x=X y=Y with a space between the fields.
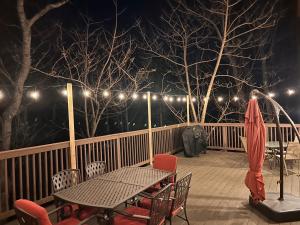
x=212 y=80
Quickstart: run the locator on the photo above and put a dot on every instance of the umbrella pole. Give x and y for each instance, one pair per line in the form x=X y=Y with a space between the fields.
x=281 y=153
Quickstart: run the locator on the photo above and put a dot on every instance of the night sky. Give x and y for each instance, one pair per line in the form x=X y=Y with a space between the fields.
x=285 y=55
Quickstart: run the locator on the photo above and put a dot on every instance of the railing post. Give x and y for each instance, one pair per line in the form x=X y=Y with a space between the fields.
x=150 y=128
x=118 y=154
x=225 y=137
x=71 y=126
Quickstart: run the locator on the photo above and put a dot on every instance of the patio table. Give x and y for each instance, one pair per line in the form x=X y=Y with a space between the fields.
x=109 y=190
x=273 y=149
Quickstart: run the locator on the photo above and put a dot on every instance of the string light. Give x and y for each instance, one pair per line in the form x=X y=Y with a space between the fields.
x=194 y=99
x=86 y=93
x=121 y=96
x=166 y=98
x=171 y=99
x=154 y=97
x=1 y=95
x=271 y=94
x=184 y=99
x=134 y=96
x=105 y=93
x=220 y=99
x=290 y=92
x=178 y=99
x=64 y=92
x=34 y=95
x=144 y=96
x=235 y=98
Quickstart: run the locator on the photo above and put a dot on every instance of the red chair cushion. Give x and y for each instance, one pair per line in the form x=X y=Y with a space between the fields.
x=86 y=212
x=146 y=203
x=34 y=209
x=74 y=207
x=69 y=221
x=125 y=220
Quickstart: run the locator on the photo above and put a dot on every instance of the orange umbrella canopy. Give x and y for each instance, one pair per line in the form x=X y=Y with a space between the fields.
x=256 y=134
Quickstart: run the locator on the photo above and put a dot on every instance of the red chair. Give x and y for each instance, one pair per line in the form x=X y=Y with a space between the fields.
x=65 y=179
x=164 y=162
x=30 y=213
x=178 y=199
x=140 y=216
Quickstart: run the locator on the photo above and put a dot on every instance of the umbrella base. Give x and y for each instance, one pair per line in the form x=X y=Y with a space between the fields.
x=287 y=210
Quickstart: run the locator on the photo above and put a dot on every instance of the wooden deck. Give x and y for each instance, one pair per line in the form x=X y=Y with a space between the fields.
x=218 y=194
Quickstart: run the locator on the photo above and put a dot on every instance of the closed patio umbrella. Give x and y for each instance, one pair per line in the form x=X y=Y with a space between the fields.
x=255 y=133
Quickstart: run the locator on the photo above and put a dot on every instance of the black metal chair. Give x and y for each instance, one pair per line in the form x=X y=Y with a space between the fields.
x=178 y=199
x=154 y=216
x=66 y=179
x=95 y=169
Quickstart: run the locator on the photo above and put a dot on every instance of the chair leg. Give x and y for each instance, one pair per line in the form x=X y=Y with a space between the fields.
x=170 y=220
x=185 y=214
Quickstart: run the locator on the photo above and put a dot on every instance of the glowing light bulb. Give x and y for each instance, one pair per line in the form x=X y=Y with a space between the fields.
x=290 y=92
x=184 y=99
x=271 y=95
x=121 y=96
x=34 y=95
x=220 y=99
x=171 y=99
x=154 y=97
x=86 y=93
x=194 y=99
x=166 y=98
x=178 y=99
x=64 y=92
x=144 y=96
x=134 y=96
x=105 y=93
x=1 y=95
x=235 y=98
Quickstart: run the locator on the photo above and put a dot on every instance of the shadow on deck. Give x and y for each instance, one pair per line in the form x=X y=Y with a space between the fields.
x=218 y=194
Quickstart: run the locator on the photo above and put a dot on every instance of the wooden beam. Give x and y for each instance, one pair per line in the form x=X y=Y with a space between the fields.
x=150 y=128
x=188 y=110
x=71 y=126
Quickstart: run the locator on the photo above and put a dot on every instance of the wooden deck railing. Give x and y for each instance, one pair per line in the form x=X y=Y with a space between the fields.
x=27 y=172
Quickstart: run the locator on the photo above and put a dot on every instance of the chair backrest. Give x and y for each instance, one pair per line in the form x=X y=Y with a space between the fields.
x=160 y=206
x=165 y=162
x=30 y=213
x=182 y=187
x=244 y=143
x=65 y=179
x=294 y=149
x=95 y=169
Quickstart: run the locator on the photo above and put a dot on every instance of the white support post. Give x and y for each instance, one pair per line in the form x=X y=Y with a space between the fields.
x=188 y=110
x=150 y=128
x=71 y=126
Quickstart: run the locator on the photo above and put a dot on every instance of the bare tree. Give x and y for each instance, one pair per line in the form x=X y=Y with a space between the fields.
x=210 y=43
x=100 y=62
x=16 y=81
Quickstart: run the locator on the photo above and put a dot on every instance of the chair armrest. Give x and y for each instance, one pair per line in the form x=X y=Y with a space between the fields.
x=145 y=195
x=61 y=207
x=132 y=215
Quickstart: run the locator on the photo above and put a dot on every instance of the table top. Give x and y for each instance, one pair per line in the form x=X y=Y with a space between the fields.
x=111 y=189
x=275 y=144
